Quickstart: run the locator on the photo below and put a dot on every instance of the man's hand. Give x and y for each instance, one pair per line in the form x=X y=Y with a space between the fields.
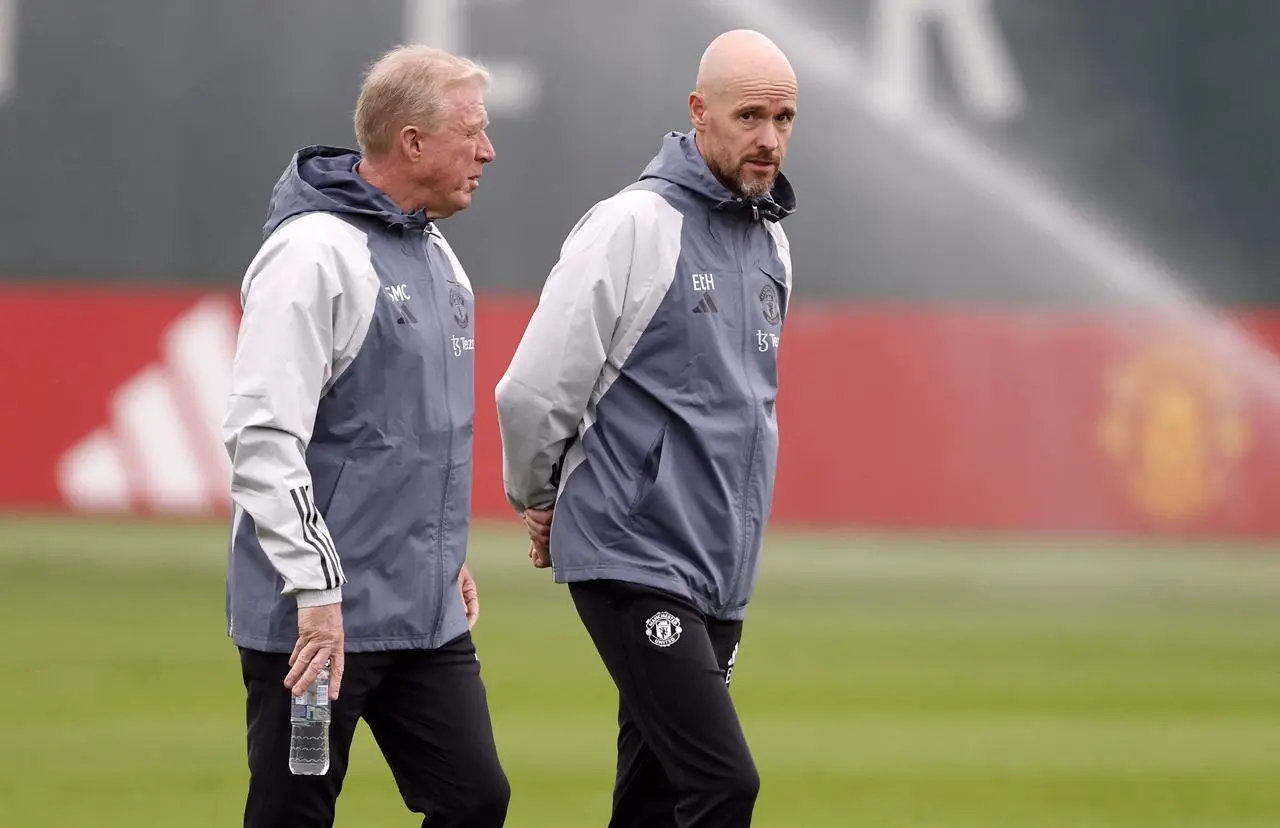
x=470 y=597
x=538 y=524
x=320 y=639
x=539 y=555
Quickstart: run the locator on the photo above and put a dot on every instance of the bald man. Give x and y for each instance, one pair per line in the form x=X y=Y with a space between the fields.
x=638 y=411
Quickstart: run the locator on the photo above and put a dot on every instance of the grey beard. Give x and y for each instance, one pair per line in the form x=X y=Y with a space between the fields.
x=755 y=189
x=737 y=186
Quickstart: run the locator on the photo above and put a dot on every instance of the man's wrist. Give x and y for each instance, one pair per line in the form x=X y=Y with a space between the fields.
x=318 y=597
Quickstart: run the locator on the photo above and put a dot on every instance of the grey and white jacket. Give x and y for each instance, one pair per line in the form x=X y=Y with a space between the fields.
x=349 y=424
x=641 y=399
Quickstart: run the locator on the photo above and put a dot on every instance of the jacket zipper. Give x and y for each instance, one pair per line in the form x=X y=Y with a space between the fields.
x=740 y=553
x=448 y=467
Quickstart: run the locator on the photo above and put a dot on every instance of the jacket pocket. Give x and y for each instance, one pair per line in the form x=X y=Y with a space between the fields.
x=648 y=473
x=324 y=490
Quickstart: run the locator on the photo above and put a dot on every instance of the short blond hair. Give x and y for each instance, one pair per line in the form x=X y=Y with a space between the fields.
x=406 y=86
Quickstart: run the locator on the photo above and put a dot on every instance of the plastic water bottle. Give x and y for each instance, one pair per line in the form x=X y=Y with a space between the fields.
x=309 y=745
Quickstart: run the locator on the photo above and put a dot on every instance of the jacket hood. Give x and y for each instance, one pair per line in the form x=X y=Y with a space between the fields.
x=680 y=162
x=324 y=179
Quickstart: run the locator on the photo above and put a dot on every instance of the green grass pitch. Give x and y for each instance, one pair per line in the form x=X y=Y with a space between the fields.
x=886 y=682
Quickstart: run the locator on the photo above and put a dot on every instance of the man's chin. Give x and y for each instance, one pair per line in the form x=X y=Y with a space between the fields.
x=756 y=187
x=756 y=182
x=460 y=201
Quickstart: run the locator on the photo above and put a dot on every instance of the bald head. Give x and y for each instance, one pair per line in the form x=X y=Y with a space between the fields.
x=742 y=107
x=743 y=55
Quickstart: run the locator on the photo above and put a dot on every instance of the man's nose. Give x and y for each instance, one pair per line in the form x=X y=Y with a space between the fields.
x=767 y=137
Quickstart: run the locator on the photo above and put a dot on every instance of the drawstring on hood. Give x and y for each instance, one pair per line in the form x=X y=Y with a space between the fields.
x=680 y=162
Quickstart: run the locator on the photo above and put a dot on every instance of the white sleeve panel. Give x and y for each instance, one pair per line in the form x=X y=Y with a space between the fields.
x=308 y=298
x=614 y=268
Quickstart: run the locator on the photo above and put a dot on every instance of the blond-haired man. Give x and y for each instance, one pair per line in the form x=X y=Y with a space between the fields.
x=349 y=431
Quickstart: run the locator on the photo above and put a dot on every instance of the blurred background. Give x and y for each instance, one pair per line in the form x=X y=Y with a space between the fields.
x=1023 y=565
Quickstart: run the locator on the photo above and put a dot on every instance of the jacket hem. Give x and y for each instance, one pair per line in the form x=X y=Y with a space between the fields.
x=668 y=583
x=357 y=645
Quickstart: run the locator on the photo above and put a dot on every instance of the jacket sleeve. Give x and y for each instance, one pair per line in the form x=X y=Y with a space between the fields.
x=544 y=393
x=283 y=362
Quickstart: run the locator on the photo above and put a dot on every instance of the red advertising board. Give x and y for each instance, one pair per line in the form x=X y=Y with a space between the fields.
x=1031 y=420
x=893 y=417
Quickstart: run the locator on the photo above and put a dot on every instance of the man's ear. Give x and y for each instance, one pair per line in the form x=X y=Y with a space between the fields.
x=411 y=142
x=697 y=109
